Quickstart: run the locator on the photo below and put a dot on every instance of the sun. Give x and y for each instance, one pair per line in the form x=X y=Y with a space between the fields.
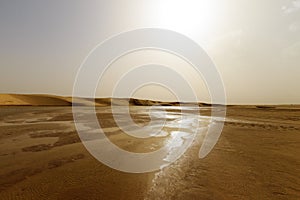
x=189 y=16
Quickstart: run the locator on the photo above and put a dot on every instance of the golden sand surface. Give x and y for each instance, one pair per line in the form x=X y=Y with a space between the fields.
x=257 y=157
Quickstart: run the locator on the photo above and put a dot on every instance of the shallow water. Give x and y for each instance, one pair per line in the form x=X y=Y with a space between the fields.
x=42 y=156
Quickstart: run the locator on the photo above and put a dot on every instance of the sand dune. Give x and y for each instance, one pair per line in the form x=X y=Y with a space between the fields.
x=32 y=100
x=51 y=100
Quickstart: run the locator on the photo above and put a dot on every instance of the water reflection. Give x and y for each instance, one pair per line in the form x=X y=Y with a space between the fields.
x=171 y=131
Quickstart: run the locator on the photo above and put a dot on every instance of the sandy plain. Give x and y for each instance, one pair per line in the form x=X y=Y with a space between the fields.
x=42 y=157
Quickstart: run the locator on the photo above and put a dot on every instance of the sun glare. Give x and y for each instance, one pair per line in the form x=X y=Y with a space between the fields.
x=189 y=16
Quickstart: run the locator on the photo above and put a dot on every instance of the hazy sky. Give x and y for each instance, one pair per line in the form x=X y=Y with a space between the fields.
x=255 y=44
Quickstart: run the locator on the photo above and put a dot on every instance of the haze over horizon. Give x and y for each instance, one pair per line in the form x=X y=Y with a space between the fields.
x=255 y=45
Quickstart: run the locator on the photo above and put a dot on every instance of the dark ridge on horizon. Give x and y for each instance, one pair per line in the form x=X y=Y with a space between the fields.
x=55 y=100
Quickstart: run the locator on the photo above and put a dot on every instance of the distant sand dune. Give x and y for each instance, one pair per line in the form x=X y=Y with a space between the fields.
x=32 y=100
x=52 y=100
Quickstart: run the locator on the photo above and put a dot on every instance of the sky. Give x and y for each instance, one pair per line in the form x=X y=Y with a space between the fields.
x=255 y=44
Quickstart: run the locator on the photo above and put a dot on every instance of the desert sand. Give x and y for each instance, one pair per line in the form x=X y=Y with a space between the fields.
x=42 y=157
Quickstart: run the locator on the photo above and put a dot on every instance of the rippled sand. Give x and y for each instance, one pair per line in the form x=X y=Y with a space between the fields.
x=256 y=157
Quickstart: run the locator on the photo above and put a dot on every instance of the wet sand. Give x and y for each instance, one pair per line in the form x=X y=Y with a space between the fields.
x=256 y=157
